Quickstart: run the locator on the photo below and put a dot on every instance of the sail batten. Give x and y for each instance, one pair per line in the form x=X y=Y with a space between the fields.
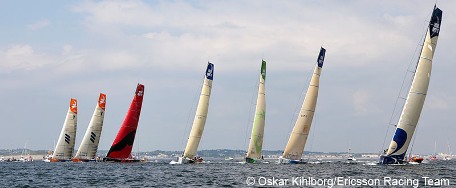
x=200 y=115
x=254 y=151
x=298 y=137
x=415 y=99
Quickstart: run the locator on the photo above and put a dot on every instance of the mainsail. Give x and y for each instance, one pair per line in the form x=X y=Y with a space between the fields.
x=123 y=143
x=256 y=139
x=295 y=147
x=416 y=96
x=201 y=114
x=65 y=145
x=89 y=145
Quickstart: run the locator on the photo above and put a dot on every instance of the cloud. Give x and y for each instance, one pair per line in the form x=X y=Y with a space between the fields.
x=39 y=24
x=22 y=56
x=223 y=31
x=165 y=44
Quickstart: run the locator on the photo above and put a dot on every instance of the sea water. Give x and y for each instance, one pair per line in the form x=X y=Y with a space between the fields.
x=227 y=174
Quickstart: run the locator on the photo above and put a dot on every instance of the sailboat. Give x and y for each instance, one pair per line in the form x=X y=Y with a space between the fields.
x=65 y=145
x=350 y=157
x=189 y=155
x=256 y=139
x=89 y=146
x=25 y=155
x=120 y=150
x=411 y=111
x=295 y=146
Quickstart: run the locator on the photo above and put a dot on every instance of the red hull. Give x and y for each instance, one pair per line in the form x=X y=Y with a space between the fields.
x=416 y=159
x=123 y=144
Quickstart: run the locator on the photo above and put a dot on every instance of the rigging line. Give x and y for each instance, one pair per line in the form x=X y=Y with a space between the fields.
x=401 y=91
x=189 y=115
x=249 y=122
x=295 y=113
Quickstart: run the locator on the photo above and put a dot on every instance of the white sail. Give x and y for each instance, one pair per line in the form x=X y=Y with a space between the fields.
x=89 y=145
x=416 y=96
x=256 y=139
x=65 y=145
x=298 y=137
x=201 y=114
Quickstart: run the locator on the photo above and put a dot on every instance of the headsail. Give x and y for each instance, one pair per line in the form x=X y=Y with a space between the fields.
x=65 y=145
x=256 y=139
x=123 y=143
x=298 y=137
x=201 y=114
x=416 y=96
x=89 y=145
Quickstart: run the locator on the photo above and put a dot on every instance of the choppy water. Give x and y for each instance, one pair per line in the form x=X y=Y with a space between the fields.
x=213 y=174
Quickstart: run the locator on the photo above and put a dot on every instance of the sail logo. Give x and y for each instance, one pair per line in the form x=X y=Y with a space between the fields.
x=74 y=106
x=67 y=138
x=92 y=137
x=320 y=61
x=436 y=28
x=321 y=57
x=140 y=93
x=263 y=73
x=209 y=73
x=434 y=24
x=102 y=101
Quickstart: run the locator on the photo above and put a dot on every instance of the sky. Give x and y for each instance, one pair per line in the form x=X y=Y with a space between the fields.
x=51 y=51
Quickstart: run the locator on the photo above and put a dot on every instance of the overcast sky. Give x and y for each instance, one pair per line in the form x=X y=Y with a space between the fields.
x=51 y=51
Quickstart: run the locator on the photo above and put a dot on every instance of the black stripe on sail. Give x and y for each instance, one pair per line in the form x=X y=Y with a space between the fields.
x=92 y=137
x=127 y=140
x=67 y=138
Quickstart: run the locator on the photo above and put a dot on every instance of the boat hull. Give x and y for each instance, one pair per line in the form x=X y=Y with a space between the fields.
x=250 y=160
x=78 y=160
x=53 y=160
x=290 y=161
x=416 y=159
x=387 y=160
x=126 y=160
x=184 y=160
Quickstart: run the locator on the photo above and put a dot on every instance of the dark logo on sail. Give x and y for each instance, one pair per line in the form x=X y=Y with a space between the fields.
x=263 y=69
x=92 y=137
x=434 y=25
x=67 y=138
x=321 y=57
x=210 y=71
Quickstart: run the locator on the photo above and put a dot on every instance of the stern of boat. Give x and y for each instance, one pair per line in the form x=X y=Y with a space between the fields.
x=250 y=160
